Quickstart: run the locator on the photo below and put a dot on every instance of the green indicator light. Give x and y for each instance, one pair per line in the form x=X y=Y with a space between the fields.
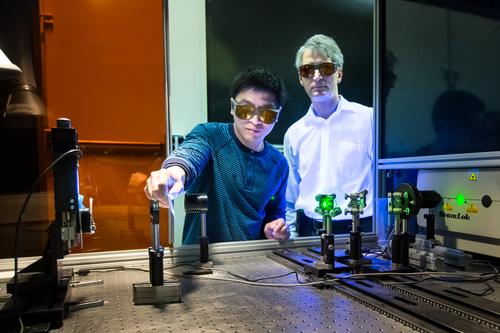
x=326 y=204
x=272 y=198
x=460 y=199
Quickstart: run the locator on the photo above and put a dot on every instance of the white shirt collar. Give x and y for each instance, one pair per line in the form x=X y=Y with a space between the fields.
x=312 y=119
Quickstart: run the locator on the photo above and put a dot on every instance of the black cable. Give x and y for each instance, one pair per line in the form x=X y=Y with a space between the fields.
x=483 y=278
x=123 y=268
x=18 y=225
x=254 y=280
x=489 y=288
x=278 y=276
x=487 y=291
x=187 y=263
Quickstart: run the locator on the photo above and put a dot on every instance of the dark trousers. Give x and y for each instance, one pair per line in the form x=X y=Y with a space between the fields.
x=310 y=227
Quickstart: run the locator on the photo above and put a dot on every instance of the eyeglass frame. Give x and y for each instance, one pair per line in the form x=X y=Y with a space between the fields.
x=316 y=67
x=234 y=103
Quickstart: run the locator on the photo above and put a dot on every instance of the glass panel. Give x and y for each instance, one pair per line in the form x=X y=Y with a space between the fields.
x=273 y=41
x=114 y=175
x=241 y=34
x=105 y=72
x=440 y=94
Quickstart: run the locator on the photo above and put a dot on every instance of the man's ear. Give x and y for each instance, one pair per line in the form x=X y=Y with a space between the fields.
x=340 y=74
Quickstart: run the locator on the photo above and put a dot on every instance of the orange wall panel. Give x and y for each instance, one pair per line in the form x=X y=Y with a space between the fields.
x=103 y=67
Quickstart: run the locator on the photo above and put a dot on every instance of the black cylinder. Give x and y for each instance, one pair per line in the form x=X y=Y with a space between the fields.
x=322 y=246
x=430 y=199
x=203 y=250
x=329 y=249
x=156 y=266
x=430 y=225
x=396 y=249
x=63 y=123
x=355 y=245
x=405 y=249
x=154 y=211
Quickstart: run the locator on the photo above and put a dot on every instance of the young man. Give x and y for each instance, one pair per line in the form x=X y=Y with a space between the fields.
x=243 y=176
x=330 y=149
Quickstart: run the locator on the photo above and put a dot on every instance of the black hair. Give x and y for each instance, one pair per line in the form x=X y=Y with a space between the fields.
x=259 y=78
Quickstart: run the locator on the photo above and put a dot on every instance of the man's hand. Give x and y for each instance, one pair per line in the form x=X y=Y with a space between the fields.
x=164 y=184
x=277 y=229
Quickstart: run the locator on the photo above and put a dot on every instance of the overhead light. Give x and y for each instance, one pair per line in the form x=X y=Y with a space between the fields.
x=7 y=69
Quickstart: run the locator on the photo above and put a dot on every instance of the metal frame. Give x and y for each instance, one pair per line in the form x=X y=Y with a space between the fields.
x=113 y=259
x=449 y=161
x=376 y=107
x=466 y=160
x=168 y=135
x=171 y=228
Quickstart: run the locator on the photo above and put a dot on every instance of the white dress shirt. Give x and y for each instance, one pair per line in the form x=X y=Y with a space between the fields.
x=326 y=156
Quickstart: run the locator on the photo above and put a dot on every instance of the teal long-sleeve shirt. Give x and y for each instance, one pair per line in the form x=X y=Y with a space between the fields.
x=245 y=189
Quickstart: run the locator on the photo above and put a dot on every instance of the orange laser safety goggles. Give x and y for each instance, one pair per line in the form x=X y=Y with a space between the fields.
x=266 y=114
x=325 y=69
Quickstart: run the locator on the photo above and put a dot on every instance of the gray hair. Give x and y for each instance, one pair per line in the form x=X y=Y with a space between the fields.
x=324 y=45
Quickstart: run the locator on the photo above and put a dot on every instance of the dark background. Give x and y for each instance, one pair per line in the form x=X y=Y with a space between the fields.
x=268 y=33
x=459 y=92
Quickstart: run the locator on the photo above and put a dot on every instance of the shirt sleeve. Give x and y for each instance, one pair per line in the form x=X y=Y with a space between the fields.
x=292 y=188
x=192 y=155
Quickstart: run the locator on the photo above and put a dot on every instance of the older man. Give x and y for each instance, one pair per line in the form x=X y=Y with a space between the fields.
x=330 y=149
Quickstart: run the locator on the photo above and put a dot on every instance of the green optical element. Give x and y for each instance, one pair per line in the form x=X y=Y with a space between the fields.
x=326 y=202
x=398 y=204
x=460 y=199
x=327 y=205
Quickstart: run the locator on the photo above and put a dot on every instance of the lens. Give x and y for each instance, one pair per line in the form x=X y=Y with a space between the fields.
x=306 y=70
x=244 y=111
x=268 y=115
x=326 y=68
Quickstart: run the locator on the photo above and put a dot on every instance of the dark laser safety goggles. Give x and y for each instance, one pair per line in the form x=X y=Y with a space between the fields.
x=325 y=69
x=266 y=114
